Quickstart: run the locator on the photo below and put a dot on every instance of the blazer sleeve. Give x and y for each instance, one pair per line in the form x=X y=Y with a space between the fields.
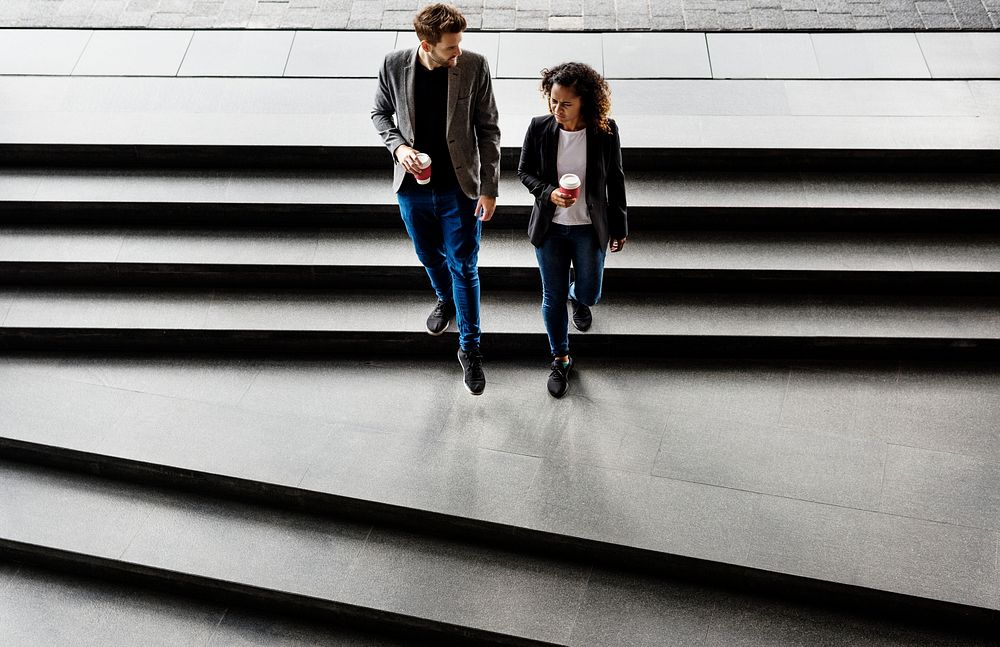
x=487 y=133
x=617 y=207
x=529 y=167
x=384 y=110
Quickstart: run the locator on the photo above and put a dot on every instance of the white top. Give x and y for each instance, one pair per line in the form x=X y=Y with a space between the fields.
x=572 y=158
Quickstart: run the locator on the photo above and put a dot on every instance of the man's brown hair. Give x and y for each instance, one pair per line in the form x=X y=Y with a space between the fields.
x=434 y=20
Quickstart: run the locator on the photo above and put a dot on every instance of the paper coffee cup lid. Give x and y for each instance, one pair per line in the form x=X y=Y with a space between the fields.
x=424 y=160
x=569 y=181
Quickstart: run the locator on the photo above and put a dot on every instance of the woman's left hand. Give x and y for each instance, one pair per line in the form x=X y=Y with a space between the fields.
x=617 y=245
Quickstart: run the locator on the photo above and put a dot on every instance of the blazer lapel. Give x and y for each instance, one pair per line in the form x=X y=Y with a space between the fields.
x=551 y=151
x=454 y=86
x=409 y=87
x=594 y=163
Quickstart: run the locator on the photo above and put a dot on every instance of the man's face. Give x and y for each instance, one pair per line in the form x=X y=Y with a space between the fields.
x=446 y=52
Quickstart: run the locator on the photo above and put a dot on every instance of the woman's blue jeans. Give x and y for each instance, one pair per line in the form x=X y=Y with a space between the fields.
x=565 y=245
x=445 y=234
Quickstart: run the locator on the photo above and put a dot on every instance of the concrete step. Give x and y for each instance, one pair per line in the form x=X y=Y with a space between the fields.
x=948 y=263
x=356 y=198
x=774 y=477
x=680 y=124
x=375 y=579
x=625 y=323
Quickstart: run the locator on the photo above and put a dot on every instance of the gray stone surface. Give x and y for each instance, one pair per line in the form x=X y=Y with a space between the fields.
x=42 y=608
x=243 y=543
x=650 y=113
x=523 y=56
x=496 y=590
x=506 y=14
x=847 y=56
x=236 y=53
x=652 y=56
x=338 y=54
x=46 y=51
x=794 y=463
x=762 y=56
x=945 y=487
x=975 y=55
x=134 y=53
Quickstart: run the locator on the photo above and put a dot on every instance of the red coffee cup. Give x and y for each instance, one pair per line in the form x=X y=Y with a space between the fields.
x=569 y=184
x=424 y=164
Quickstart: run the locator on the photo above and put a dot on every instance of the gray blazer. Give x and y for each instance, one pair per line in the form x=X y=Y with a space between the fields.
x=473 y=133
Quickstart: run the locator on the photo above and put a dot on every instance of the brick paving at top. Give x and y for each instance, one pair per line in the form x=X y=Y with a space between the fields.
x=521 y=15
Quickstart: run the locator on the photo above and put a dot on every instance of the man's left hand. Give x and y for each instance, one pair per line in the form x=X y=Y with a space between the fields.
x=485 y=207
x=617 y=245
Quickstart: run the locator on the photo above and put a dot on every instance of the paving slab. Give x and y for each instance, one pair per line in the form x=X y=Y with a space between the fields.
x=237 y=53
x=134 y=53
x=762 y=56
x=42 y=51
x=338 y=54
x=887 y=56
x=961 y=56
x=652 y=56
x=524 y=55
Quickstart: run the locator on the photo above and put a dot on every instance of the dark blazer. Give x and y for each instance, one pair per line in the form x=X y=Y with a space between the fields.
x=473 y=134
x=605 y=190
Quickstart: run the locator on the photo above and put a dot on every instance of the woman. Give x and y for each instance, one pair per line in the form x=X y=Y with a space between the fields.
x=577 y=138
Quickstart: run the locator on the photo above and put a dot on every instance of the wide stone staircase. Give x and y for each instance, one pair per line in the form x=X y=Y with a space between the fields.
x=221 y=420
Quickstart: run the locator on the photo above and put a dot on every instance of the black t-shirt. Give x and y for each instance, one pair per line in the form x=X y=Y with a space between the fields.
x=430 y=94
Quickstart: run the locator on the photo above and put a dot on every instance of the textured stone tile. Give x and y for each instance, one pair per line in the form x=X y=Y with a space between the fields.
x=772 y=56
x=924 y=413
x=46 y=608
x=251 y=629
x=792 y=463
x=464 y=585
x=929 y=559
x=939 y=486
x=134 y=53
x=217 y=439
x=655 y=56
x=223 y=247
x=444 y=477
x=627 y=609
x=242 y=543
x=519 y=53
x=43 y=51
x=63 y=244
x=43 y=409
x=829 y=402
x=881 y=98
x=97 y=518
x=968 y=55
x=237 y=53
x=338 y=53
x=847 y=56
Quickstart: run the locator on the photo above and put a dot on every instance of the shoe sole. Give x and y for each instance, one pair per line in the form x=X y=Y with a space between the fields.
x=582 y=329
x=438 y=334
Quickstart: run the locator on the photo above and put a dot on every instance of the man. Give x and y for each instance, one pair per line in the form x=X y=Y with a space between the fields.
x=442 y=100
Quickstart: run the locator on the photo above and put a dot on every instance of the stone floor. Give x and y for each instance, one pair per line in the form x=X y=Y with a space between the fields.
x=519 y=15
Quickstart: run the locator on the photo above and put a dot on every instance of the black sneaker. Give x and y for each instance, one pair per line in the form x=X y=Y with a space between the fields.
x=472 y=364
x=440 y=317
x=559 y=378
x=582 y=317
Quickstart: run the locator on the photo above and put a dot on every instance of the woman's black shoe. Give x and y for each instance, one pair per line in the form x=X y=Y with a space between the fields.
x=582 y=317
x=559 y=378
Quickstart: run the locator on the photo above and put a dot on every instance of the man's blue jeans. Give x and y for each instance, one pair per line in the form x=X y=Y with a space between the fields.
x=445 y=234
x=565 y=244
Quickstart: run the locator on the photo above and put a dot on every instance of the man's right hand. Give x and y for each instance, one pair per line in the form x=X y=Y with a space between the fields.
x=407 y=158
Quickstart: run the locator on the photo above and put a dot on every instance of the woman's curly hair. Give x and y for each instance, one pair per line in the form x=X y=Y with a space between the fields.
x=589 y=85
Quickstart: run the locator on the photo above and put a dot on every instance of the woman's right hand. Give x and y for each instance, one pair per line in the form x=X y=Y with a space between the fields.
x=561 y=199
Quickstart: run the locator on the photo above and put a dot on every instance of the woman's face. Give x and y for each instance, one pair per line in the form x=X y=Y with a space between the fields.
x=565 y=106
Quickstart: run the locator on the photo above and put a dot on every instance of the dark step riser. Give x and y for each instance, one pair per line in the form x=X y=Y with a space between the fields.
x=355 y=216
x=686 y=159
x=497 y=345
x=880 y=604
x=385 y=623
x=616 y=280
